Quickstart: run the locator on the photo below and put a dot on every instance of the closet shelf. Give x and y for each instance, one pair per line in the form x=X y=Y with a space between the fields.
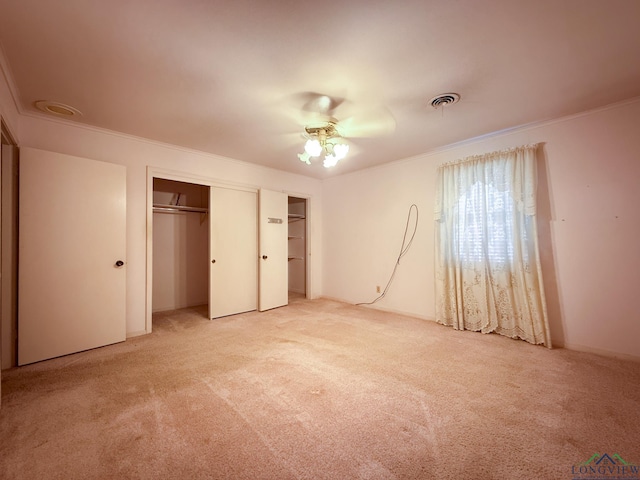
x=293 y=237
x=296 y=258
x=295 y=216
x=178 y=208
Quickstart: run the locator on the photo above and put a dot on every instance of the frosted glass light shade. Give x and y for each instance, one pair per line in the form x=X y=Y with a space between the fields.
x=330 y=161
x=340 y=150
x=313 y=148
x=304 y=157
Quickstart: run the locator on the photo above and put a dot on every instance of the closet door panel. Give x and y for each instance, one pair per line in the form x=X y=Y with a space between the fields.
x=233 y=251
x=71 y=293
x=274 y=275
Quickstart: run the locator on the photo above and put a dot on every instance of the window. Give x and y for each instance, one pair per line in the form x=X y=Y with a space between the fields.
x=485 y=217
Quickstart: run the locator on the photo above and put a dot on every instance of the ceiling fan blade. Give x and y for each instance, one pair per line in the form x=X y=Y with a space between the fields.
x=368 y=123
x=293 y=139
x=307 y=108
x=319 y=103
x=294 y=115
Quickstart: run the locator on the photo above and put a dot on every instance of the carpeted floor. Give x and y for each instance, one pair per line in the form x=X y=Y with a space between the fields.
x=317 y=390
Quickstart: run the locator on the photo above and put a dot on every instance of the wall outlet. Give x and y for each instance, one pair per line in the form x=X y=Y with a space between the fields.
x=377 y=288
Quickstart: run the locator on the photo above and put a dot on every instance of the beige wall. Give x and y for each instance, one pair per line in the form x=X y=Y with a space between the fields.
x=589 y=223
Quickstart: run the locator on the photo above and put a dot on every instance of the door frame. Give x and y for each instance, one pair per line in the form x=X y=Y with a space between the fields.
x=11 y=282
x=167 y=174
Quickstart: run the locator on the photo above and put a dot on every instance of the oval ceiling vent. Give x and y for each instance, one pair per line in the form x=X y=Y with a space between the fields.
x=444 y=100
x=56 y=108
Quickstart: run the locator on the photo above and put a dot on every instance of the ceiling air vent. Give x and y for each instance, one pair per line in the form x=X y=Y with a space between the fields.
x=444 y=99
x=56 y=108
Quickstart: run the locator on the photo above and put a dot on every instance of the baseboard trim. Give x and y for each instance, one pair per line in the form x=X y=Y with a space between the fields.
x=375 y=307
x=596 y=351
x=555 y=343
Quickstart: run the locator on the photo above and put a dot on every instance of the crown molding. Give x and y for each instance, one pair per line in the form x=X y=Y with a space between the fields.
x=493 y=135
x=8 y=78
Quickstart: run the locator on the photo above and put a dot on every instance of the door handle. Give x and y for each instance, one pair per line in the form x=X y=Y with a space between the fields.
x=213 y=261
x=264 y=257
x=119 y=263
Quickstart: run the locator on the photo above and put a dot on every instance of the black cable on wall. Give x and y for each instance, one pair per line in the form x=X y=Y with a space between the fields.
x=403 y=251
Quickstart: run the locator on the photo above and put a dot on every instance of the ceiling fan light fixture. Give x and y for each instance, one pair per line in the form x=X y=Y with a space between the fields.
x=329 y=161
x=313 y=147
x=317 y=144
x=305 y=158
x=340 y=150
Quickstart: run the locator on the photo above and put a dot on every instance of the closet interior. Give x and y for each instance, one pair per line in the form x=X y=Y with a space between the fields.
x=180 y=245
x=297 y=239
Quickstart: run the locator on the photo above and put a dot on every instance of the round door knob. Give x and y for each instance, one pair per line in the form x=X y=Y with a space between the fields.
x=213 y=261
x=264 y=257
x=119 y=263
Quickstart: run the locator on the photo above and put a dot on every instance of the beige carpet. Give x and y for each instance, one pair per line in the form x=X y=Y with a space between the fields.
x=316 y=390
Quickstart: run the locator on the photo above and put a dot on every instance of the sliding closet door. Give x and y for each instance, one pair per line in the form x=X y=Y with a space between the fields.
x=233 y=251
x=72 y=242
x=273 y=249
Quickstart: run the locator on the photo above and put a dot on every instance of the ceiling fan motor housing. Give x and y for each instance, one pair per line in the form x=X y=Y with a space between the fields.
x=328 y=130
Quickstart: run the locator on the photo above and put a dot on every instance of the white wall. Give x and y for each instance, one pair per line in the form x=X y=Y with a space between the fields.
x=136 y=154
x=589 y=225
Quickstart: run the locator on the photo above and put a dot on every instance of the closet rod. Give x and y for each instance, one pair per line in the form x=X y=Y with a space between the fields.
x=178 y=208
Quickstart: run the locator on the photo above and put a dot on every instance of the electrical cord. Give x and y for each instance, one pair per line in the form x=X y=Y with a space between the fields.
x=403 y=251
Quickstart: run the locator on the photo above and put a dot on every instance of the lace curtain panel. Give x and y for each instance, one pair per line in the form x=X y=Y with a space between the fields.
x=488 y=275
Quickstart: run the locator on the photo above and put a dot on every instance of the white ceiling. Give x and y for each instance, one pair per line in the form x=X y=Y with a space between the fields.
x=229 y=77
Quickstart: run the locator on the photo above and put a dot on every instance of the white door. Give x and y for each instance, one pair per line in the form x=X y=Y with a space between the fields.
x=273 y=215
x=233 y=271
x=72 y=242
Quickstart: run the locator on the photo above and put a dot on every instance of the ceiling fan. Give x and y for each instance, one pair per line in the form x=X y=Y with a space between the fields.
x=329 y=123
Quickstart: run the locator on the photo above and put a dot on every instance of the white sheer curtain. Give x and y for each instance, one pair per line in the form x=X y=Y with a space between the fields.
x=488 y=275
